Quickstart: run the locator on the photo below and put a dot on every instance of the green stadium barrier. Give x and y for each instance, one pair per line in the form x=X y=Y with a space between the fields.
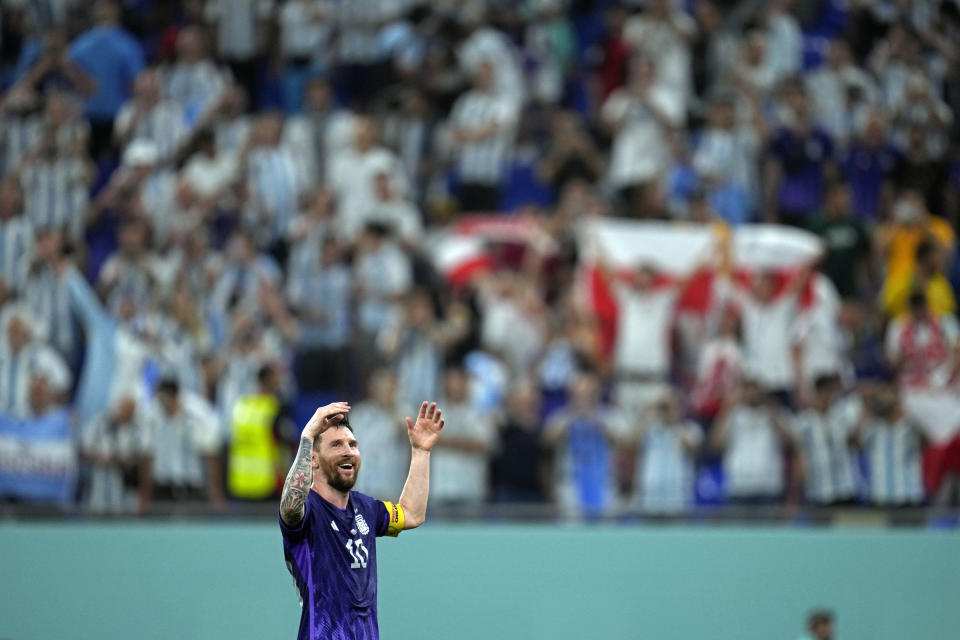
x=228 y=581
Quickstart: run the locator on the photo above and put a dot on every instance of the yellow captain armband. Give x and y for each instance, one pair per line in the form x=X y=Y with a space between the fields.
x=396 y=519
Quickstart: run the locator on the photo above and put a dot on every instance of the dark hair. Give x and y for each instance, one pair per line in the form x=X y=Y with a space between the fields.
x=344 y=422
x=135 y=222
x=818 y=617
x=202 y=138
x=925 y=250
x=918 y=300
x=168 y=384
x=824 y=382
x=836 y=185
x=317 y=80
x=264 y=373
x=454 y=365
x=378 y=228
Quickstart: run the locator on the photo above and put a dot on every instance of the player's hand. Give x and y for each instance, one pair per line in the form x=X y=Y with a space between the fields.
x=424 y=432
x=324 y=418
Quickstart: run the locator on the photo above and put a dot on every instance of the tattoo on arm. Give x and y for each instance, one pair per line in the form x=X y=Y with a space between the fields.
x=297 y=485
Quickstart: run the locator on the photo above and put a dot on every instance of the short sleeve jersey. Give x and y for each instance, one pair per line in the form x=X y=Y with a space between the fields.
x=332 y=556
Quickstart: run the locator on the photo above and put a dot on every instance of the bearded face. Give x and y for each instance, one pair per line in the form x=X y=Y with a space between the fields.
x=338 y=459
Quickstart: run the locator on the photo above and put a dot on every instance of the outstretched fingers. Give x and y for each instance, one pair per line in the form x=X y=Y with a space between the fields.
x=437 y=419
x=423 y=410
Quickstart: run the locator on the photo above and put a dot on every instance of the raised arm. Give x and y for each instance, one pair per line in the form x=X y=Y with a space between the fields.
x=423 y=435
x=83 y=300
x=720 y=433
x=293 y=499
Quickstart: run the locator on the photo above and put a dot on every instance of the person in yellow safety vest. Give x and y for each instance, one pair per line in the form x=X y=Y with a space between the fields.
x=254 y=462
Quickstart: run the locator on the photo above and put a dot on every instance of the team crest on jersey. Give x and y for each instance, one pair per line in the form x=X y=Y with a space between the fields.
x=362 y=524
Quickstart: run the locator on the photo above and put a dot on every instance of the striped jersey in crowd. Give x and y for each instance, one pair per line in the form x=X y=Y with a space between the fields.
x=48 y=297
x=892 y=453
x=55 y=194
x=277 y=179
x=19 y=135
x=127 y=279
x=666 y=472
x=16 y=245
x=164 y=125
x=17 y=367
x=195 y=86
x=359 y=24
x=753 y=460
x=828 y=462
x=484 y=161
x=418 y=365
x=326 y=292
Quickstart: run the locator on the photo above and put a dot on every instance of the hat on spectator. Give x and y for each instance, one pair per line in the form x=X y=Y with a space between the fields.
x=139 y=153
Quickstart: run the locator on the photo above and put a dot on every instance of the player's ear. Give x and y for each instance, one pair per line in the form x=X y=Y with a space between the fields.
x=315 y=459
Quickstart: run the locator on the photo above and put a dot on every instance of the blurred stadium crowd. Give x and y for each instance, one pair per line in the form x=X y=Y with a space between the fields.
x=215 y=216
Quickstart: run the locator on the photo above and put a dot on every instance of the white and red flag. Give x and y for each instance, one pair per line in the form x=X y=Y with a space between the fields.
x=476 y=244
x=691 y=252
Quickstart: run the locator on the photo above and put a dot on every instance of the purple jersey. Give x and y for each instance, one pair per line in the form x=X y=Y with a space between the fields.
x=332 y=556
x=803 y=159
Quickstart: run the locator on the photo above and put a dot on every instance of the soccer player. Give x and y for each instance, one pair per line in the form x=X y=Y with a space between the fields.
x=330 y=532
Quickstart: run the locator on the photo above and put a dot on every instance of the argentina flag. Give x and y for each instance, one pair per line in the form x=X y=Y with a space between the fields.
x=37 y=458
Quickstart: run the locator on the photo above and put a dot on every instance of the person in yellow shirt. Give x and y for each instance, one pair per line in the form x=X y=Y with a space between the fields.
x=258 y=430
x=897 y=241
x=927 y=275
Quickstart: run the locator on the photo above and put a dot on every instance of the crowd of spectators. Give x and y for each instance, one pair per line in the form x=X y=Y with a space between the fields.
x=215 y=215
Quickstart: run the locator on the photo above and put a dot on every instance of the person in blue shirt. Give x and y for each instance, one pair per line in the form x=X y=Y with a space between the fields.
x=329 y=532
x=112 y=58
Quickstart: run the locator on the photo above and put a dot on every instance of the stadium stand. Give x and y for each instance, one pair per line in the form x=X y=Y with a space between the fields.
x=656 y=256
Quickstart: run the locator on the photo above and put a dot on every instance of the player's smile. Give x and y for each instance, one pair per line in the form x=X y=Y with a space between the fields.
x=348 y=467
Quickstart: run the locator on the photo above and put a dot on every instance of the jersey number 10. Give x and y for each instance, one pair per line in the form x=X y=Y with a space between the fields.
x=359 y=553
